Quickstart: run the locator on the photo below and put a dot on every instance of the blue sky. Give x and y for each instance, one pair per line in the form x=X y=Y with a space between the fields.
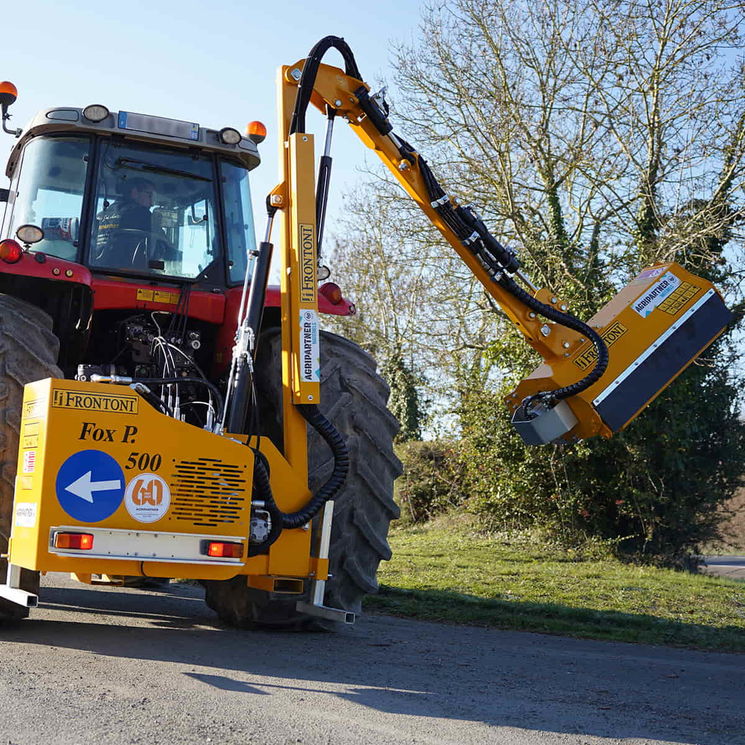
x=213 y=63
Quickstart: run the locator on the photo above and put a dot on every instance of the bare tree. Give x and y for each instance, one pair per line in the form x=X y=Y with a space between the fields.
x=598 y=137
x=419 y=310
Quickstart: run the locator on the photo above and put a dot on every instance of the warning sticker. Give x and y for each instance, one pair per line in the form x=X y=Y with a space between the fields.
x=35 y=409
x=147 y=497
x=30 y=441
x=656 y=294
x=29 y=461
x=610 y=336
x=30 y=435
x=650 y=273
x=158 y=296
x=679 y=298
x=310 y=356
x=25 y=514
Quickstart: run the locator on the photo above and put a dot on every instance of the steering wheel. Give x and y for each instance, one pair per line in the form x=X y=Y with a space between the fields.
x=145 y=245
x=140 y=251
x=110 y=245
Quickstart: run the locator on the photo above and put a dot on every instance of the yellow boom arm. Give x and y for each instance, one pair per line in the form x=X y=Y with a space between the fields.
x=595 y=377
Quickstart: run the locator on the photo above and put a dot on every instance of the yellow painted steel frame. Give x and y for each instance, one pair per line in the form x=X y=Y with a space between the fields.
x=151 y=490
x=557 y=345
x=295 y=196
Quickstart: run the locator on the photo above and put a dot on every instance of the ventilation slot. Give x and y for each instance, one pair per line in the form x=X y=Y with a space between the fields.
x=207 y=492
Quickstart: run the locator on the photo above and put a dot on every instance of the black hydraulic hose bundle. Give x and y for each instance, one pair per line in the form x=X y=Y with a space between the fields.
x=310 y=70
x=170 y=381
x=500 y=263
x=330 y=489
x=281 y=520
x=263 y=488
x=155 y=402
x=569 y=321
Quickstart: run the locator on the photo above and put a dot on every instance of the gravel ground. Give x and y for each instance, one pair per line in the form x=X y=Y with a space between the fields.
x=120 y=666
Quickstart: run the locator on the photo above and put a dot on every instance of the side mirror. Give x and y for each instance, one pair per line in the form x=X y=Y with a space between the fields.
x=4 y=195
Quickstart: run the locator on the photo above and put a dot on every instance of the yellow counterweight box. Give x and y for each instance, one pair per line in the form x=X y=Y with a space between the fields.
x=108 y=485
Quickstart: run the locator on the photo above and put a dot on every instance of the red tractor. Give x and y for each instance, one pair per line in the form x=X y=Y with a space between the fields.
x=126 y=241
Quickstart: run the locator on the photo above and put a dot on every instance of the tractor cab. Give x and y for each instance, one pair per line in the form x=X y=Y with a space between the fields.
x=132 y=232
x=120 y=226
x=133 y=195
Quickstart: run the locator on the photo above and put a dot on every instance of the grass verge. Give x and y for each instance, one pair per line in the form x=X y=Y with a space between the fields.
x=444 y=572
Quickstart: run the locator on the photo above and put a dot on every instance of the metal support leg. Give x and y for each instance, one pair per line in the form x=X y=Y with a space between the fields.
x=11 y=589
x=318 y=586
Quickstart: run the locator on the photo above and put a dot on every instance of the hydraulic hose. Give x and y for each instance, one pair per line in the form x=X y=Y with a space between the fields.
x=328 y=491
x=126 y=380
x=171 y=381
x=310 y=70
x=264 y=490
x=305 y=514
x=571 y=322
x=499 y=263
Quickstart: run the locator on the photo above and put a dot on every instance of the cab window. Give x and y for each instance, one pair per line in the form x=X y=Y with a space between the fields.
x=239 y=225
x=154 y=211
x=49 y=192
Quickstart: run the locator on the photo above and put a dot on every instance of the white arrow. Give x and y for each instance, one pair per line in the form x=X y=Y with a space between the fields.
x=84 y=487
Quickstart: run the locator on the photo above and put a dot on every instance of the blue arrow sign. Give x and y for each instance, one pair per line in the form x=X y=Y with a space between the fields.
x=90 y=486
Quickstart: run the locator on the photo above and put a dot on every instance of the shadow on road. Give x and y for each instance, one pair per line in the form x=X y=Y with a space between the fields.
x=595 y=623
x=509 y=679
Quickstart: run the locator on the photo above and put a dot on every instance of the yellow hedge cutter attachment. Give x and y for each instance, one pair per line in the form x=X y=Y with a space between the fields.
x=596 y=376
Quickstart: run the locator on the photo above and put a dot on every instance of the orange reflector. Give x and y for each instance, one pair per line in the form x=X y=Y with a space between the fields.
x=82 y=541
x=8 y=92
x=10 y=251
x=225 y=550
x=332 y=292
x=256 y=132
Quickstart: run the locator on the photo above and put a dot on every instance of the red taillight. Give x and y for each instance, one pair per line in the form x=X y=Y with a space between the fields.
x=82 y=541
x=331 y=292
x=224 y=549
x=10 y=251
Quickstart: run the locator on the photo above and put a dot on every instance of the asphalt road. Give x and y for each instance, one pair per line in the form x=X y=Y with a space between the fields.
x=116 y=666
x=731 y=567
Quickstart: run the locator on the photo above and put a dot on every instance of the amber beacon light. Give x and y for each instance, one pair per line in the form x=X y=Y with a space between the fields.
x=8 y=93
x=256 y=132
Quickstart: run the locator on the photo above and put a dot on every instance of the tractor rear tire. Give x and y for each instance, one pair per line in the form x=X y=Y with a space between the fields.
x=353 y=398
x=28 y=351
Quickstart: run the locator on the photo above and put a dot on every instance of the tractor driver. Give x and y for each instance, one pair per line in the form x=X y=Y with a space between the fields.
x=125 y=228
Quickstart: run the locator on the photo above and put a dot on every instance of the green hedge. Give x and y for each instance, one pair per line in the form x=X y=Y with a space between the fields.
x=432 y=481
